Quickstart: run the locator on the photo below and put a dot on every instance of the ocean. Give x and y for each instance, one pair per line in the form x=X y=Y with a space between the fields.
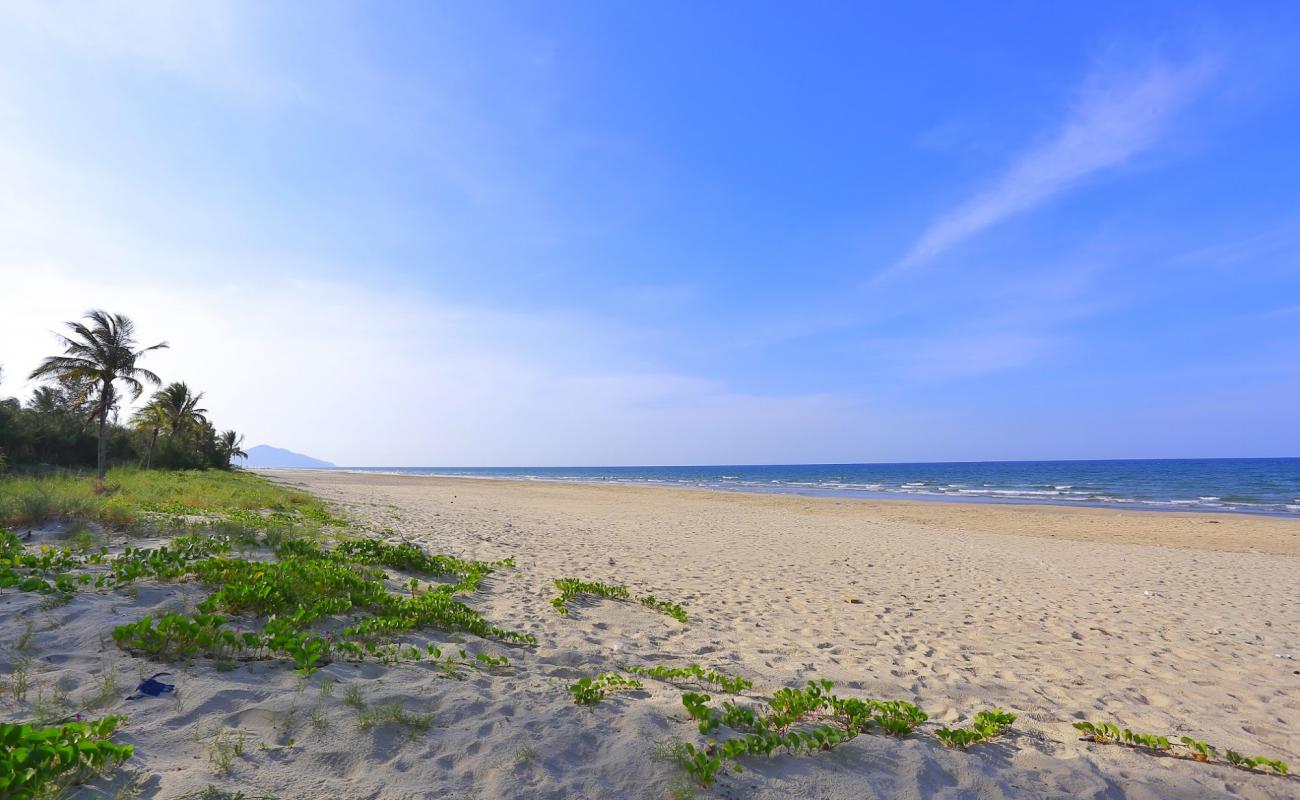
x=1237 y=485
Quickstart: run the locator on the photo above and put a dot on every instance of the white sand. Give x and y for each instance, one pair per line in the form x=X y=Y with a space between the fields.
x=1168 y=623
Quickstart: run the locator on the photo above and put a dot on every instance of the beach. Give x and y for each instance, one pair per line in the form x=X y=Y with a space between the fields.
x=1169 y=624
x=1177 y=624
x=649 y=401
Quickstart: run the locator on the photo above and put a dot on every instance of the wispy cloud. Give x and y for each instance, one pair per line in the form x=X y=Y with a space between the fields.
x=1283 y=240
x=1116 y=118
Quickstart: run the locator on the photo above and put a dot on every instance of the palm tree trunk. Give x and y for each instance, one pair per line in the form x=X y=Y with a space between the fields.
x=104 y=398
x=103 y=445
x=148 y=459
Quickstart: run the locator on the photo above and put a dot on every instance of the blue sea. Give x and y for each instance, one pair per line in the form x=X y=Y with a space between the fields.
x=1240 y=485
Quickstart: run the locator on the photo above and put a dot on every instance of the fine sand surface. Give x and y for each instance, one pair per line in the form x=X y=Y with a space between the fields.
x=1165 y=623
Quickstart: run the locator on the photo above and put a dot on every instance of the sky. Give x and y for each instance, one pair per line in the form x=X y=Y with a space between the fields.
x=560 y=233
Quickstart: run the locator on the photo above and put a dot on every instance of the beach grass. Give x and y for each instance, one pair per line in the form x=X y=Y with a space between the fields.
x=128 y=493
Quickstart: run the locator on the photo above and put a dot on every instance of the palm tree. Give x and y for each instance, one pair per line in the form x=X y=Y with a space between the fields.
x=179 y=407
x=97 y=356
x=229 y=445
x=150 y=417
x=46 y=400
x=68 y=397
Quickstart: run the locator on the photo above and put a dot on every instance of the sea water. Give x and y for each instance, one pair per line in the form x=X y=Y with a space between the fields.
x=1249 y=485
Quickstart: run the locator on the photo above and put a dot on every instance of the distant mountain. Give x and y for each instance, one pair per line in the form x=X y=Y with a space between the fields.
x=264 y=455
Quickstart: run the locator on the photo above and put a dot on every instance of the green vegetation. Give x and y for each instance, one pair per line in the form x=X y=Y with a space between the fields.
x=107 y=690
x=224 y=750
x=394 y=714
x=19 y=680
x=129 y=496
x=810 y=719
x=1195 y=749
x=1247 y=762
x=572 y=587
x=95 y=359
x=389 y=713
x=353 y=697
x=98 y=369
x=36 y=762
x=1201 y=751
x=663 y=606
x=590 y=691
x=213 y=793
x=306 y=584
x=987 y=726
x=260 y=550
x=302 y=585
x=693 y=673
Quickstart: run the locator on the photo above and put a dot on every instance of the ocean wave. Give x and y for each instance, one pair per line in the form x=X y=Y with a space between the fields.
x=1215 y=487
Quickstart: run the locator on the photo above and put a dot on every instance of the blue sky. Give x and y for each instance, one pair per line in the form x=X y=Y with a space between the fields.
x=599 y=233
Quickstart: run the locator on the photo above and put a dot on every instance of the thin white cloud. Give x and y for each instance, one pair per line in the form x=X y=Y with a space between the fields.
x=1283 y=240
x=1115 y=119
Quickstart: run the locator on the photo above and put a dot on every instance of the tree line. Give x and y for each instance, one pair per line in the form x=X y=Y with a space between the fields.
x=72 y=419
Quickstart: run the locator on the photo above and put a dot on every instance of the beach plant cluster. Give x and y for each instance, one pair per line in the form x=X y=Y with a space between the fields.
x=1256 y=762
x=274 y=592
x=305 y=585
x=987 y=726
x=36 y=762
x=693 y=673
x=392 y=713
x=1195 y=749
x=590 y=691
x=572 y=587
x=308 y=584
x=806 y=720
x=225 y=749
x=46 y=571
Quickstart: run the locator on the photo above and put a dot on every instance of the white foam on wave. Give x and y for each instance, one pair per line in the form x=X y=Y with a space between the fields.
x=1027 y=493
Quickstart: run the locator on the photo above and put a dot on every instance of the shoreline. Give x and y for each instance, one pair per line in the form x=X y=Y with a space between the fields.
x=1232 y=532
x=1009 y=498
